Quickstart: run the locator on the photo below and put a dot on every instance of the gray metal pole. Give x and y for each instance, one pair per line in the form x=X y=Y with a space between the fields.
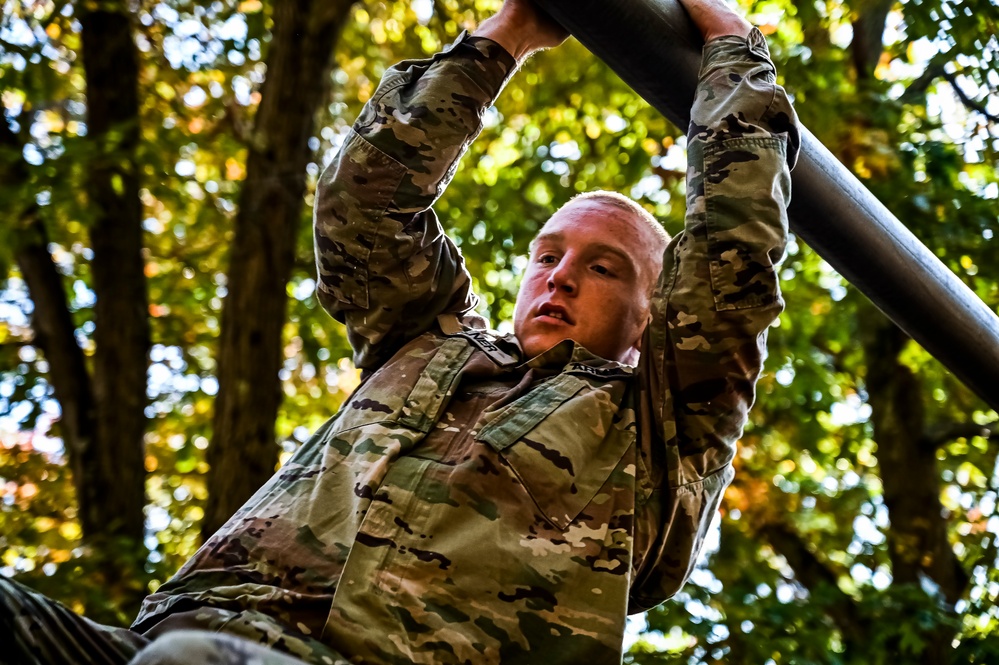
x=654 y=48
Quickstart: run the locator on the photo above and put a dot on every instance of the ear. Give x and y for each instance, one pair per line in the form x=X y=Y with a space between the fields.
x=631 y=356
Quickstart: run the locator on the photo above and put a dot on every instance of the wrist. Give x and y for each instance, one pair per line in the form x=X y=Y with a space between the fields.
x=514 y=39
x=734 y=27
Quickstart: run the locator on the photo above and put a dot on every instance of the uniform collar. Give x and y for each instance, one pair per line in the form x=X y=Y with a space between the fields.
x=568 y=354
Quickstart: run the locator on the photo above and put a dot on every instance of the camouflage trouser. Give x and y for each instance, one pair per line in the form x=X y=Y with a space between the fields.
x=35 y=630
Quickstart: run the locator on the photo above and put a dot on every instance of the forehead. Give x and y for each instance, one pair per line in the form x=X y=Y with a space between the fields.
x=595 y=222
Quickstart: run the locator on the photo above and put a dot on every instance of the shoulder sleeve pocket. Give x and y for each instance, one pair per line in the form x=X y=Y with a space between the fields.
x=746 y=191
x=352 y=197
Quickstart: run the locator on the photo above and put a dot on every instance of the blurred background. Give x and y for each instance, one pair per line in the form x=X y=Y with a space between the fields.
x=162 y=350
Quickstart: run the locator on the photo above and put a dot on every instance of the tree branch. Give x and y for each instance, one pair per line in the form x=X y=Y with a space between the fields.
x=19 y=343
x=970 y=103
x=933 y=71
x=937 y=69
x=991 y=552
x=942 y=433
x=811 y=572
x=232 y=117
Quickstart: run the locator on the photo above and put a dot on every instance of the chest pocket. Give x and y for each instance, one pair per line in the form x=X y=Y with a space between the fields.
x=562 y=441
x=388 y=399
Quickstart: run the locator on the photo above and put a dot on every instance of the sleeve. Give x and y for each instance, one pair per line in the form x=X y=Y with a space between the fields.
x=386 y=267
x=716 y=298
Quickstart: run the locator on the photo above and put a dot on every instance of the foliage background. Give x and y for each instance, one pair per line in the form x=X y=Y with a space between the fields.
x=862 y=527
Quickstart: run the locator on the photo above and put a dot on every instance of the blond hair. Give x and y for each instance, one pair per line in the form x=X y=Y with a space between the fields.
x=622 y=202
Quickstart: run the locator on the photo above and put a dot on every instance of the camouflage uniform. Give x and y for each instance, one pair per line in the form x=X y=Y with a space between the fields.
x=470 y=505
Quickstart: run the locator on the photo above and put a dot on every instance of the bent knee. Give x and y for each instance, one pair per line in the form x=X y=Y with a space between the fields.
x=183 y=647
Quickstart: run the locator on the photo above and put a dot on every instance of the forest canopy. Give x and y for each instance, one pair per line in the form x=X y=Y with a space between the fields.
x=162 y=351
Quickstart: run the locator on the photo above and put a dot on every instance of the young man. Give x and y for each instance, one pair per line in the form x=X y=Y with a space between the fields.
x=485 y=498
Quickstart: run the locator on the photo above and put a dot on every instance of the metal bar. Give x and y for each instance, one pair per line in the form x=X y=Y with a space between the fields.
x=654 y=48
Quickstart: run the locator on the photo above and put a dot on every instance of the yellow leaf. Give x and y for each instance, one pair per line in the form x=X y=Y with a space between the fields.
x=884 y=64
x=54 y=121
x=233 y=169
x=165 y=90
x=70 y=530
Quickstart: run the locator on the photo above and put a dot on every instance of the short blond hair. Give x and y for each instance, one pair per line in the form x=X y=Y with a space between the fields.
x=622 y=202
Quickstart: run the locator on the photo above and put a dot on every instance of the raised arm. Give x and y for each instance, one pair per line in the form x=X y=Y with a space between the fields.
x=718 y=292
x=386 y=268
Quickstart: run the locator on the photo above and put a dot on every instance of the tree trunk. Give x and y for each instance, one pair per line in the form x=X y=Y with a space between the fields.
x=917 y=538
x=55 y=335
x=52 y=323
x=868 y=31
x=243 y=452
x=114 y=466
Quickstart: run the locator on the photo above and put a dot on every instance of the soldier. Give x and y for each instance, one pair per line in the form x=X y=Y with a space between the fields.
x=482 y=497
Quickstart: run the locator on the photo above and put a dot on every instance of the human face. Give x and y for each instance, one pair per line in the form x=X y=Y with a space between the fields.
x=589 y=279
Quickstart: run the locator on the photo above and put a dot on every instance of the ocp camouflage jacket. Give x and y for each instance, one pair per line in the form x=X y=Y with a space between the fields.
x=469 y=505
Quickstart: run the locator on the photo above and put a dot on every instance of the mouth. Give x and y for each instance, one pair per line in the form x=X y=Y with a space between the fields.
x=554 y=315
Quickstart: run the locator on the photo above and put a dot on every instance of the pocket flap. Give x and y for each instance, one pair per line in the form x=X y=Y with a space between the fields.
x=435 y=385
x=562 y=443
x=521 y=416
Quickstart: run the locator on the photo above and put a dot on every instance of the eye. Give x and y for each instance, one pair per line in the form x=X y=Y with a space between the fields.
x=602 y=270
x=547 y=259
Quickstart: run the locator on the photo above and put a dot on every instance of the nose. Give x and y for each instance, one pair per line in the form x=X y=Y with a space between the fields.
x=563 y=277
